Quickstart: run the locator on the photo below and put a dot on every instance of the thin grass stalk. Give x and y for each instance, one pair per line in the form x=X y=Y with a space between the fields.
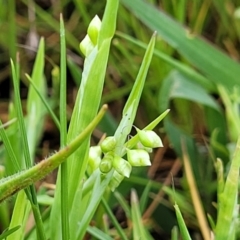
x=50 y=111
x=12 y=29
x=183 y=228
x=114 y=220
x=63 y=134
x=202 y=220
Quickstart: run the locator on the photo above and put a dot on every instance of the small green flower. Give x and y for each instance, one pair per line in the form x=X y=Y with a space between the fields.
x=138 y=157
x=149 y=138
x=86 y=46
x=94 y=158
x=115 y=181
x=93 y=29
x=122 y=166
x=107 y=162
x=108 y=144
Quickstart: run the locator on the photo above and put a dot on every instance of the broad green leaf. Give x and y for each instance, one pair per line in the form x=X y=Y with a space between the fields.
x=35 y=106
x=205 y=57
x=177 y=85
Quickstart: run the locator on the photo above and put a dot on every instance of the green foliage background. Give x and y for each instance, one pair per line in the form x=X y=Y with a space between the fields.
x=194 y=72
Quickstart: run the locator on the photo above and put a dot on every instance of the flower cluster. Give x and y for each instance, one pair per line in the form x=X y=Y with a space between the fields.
x=90 y=40
x=137 y=156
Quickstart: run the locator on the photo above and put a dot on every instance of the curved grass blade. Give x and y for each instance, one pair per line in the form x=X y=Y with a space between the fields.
x=18 y=181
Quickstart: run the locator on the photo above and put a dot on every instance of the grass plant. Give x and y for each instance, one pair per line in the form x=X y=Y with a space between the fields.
x=108 y=59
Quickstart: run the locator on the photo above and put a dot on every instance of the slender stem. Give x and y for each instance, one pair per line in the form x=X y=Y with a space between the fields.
x=63 y=135
x=12 y=29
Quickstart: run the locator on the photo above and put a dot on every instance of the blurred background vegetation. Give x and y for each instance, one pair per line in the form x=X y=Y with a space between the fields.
x=194 y=72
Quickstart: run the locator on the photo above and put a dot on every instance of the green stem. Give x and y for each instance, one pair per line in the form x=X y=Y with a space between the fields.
x=63 y=134
x=18 y=181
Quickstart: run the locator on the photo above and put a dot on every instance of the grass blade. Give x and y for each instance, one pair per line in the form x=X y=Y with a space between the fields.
x=181 y=223
x=9 y=232
x=114 y=220
x=139 y=231
x=227 y=203
x=63 y=134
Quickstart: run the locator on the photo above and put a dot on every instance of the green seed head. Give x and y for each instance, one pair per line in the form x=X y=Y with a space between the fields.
x=122 y=166
x=115 y=181
x=149 y=138
x=108 y=144
x=93 y=29
x=107 y=162
x=138 y=157
x=140 y=146
x=94 y=158
x=86 y=46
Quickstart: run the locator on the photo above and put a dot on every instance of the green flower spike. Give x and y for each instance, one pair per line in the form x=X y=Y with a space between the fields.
x=108 y=144
x=94 y=158
x=107 y=162
x=93 y=29
x=138 y=157
x=149 y=138
x=115 y=181
x=86 y=46
x=122 y=166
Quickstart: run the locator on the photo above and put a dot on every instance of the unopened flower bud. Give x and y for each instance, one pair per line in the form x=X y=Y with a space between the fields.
x=115 y=181
x=149 y=138
x=107 y=162
x=122 y=166
x=86 y=46
x=93 y=29
x=108 y=144
x=94 y=158
x=140 y=146
x=138 y=157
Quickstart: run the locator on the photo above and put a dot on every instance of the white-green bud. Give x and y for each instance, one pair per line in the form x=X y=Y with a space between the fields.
x=138 y=157
x=149 y=138
x=108 y=144
x=93 y=29
x=86 y=46
x=94 y=158
x=107 y=162
x=115 y=181
x=140 y=146
x=122 y=166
